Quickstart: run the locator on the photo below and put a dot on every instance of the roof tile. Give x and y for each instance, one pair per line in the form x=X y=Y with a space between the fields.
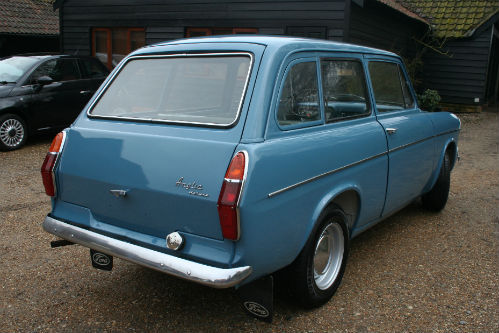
x=28 y=17
x=452 y=18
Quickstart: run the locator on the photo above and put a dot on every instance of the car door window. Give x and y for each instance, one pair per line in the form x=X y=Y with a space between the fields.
x=299 y=97
x=409 y=100
x=344 y=89
x=386 y=82
x=93 y=68
x=58 y=69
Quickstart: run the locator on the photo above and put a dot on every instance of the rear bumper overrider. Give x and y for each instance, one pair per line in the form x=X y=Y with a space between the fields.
x=182 y=268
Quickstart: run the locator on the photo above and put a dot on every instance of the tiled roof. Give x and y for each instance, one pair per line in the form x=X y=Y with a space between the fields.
x=399 y=7
x=34 y=17
x=452 y=18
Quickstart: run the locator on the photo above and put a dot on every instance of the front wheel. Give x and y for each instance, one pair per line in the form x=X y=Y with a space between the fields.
x=318 y=270
x=13 y=132
x=436 y=199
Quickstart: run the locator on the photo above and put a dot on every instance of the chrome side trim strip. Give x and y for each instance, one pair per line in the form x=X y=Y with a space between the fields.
x=270 y=195
x=422 y=140
x=182 y=268
x=410 y=144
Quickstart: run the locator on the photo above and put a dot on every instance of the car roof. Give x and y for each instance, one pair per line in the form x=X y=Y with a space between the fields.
x=46 y=55
x=279 y=42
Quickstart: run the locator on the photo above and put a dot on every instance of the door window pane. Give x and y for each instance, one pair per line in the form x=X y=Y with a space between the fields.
x=93 y=68
x=111 y=45
x=58 y=69
x=344 y=89
x=100 y=46
x=196 y=32
x=409 y=100
x=386 y=85
x=137 y=39
x=299 y=98
x=119 y=45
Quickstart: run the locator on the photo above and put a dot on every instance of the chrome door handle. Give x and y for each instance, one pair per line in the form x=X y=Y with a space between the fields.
x=85 y=92
x=391 y=131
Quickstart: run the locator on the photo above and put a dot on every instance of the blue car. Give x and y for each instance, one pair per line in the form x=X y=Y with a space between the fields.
x=229 y=160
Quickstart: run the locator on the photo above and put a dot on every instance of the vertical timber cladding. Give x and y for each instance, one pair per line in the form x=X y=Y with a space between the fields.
x=376 y=25
x=168 y=19
x=460 y=75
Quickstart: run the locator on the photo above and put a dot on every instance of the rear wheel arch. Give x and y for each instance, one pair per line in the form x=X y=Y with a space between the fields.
x=346 y=198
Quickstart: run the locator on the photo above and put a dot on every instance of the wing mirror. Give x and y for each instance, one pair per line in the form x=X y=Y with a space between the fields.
x=44 y=80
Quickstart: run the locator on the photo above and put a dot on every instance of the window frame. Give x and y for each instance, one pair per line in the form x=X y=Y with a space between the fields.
x=289 y=65
x=366 y=88
x=109 y=41
x=111 y=79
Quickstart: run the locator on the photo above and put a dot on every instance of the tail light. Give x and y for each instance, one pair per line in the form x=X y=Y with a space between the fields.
x=50 y=161
x=228 y=201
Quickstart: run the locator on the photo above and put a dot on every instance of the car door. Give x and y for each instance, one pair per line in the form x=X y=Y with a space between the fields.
x=58 y=103
x=341 y=148
x=409 y=132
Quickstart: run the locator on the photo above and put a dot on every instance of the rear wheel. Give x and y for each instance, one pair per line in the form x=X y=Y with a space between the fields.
x=317 y=272
x=436 y=199
x=13 y=132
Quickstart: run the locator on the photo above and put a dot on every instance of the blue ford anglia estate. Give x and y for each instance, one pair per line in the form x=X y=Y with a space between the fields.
x=228 y=160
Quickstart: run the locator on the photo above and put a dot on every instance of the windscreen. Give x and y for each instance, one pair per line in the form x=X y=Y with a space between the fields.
x=12 y=68
x=185 y=89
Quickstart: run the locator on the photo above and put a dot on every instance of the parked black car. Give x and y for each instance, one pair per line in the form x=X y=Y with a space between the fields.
x=42 y=92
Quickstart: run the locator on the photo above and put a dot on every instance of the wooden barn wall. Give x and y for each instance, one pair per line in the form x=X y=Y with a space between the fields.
x=167 y=19
x=378 y=26
x=461 y=75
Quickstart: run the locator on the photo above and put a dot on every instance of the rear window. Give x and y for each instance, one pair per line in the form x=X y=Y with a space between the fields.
x=206 y=90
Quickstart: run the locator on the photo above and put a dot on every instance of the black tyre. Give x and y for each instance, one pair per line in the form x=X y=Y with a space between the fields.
x=436 y=199
x=13 y=132
x=317 y=272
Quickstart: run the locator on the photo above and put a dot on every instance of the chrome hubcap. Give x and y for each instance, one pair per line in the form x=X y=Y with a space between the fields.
x=328 y=255
x=11 y=132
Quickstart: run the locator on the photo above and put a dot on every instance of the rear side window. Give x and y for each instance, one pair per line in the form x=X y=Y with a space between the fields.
x=206 y=90
x=391 y=90
x=344 y=89
x=93 y=68
x=299 y=97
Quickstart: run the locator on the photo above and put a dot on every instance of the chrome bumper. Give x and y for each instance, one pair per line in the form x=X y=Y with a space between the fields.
x=182 y=268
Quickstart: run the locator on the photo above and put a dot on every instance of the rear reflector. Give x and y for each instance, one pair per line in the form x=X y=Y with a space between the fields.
x=49 y=163
x=229 y=196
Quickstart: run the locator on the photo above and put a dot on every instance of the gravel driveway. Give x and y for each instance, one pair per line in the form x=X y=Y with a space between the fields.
x=417 y=271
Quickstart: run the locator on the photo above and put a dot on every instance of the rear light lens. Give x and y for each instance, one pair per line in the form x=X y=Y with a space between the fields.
x=50 y=161
x=230 y=194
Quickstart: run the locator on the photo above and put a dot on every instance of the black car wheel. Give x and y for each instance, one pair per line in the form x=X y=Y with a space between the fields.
x=318 y=270
x=436 y=199
x=13 y=133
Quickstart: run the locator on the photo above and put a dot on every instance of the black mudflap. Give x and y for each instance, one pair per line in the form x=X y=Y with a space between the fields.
x=257 y=298
x=101 y=260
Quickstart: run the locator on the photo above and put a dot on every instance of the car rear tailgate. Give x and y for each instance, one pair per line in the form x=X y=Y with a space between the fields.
x=170 y=176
